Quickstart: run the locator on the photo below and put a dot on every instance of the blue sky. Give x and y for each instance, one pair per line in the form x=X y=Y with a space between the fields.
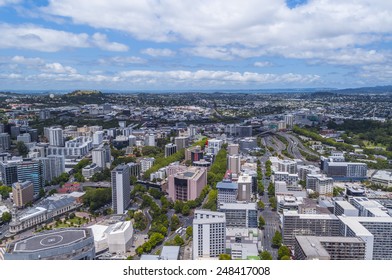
x=199 y=44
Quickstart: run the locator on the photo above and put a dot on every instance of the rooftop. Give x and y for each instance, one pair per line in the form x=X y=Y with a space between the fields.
x=49 y=240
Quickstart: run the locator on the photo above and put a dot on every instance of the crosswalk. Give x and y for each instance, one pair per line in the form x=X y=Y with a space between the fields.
x=2 y=252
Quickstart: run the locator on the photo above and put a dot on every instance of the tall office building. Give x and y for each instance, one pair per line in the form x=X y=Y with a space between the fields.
x=234 y=164
x=31 y=171
x=9 y=172
x=289 y=120
x=188 y=184
x=181 y=142
x=170 y=149
x=214 y=145
x=97 y=138
x=233 y=149
x=5 y=141
x=209 y=234
x=121 y=188
x=56 y=137
x=52 y=166
x=227 y=192
x=149 y=140
x=242 y=215
x=376 y=232
x=102 y=157
x=244 y=188
x=23 y=193
x=308 y=224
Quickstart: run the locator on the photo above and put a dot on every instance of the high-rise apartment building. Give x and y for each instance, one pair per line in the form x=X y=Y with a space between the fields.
x=209 y=234
x=234 y=164
x=121 y=188
x=170 y=149
x=56 y=137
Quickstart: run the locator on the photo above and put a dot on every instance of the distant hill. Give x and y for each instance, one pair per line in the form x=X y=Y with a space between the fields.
x=84 y=97
x=363 y=90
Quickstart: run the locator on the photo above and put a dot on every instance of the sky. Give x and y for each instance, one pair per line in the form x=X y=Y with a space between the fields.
x=194 y=44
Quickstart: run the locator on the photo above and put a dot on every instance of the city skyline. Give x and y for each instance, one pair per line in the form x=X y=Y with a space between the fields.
x=153 y=45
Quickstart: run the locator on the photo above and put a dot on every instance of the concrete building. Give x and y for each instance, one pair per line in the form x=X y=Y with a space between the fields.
x=308 y=224
x=304 y=170
x=120 y=237
x=227 y=192
x=181 y=142
x=243 y=215
x=187 y=185
x=9 y=172
x=52 y=166
x=243 y=251
x=214 y=145
x=29 y=170
x=89 y=170
x=382 y=177
x=289 y=179
x=23 y=193
x=170 y=149
x=75 y=148
x=376 y=232
x=45 y=210
x=134 y=169
x=194 y=153
x=344 y=208
x=102 y=157
x=248 y=144
x=60 y=244
x=244 y=188
x=289 y=166
x=121 y=188
x=5 y=141
x=97 y=138
x=209 y=234
x=289 y=120
x=368 y=208
x=233 y=149
x=56 y=137
x=149 y=140
x=329 y=248
x=319 y=183
x=234 y=164
x=345 y=170
x=146 y=163
x=25 y=138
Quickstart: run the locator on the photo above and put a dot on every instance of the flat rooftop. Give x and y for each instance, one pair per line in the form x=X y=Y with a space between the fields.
x=49 y=240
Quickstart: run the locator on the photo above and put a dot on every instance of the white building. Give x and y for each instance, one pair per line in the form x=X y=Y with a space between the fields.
x=75 y=148
x=382 y=177
x=244 y=188
x=303 y=170
x=149 y=140
x=289 y=120
x=120 y=237
x=209 y=234
x=234 y=164
x=290 y=179
x=289 y=166
x=146 y=163
x=97 y=138
x=56 y=137
x=102 y=157
x=214 y=145
x=89 y=170
x=121 y=188
x=25 y=138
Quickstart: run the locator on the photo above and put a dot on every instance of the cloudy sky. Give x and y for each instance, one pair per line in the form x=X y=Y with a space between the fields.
x=194 y=44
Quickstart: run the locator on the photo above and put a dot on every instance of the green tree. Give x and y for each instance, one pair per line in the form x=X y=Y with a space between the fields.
x=261 y=222
x=265 y=255
x=285 y=258
x=6 y=217
x=41 y=192
x=178 y=241
x=273 y=202
x=133 y=180
x=224 y=257
x=174 y=222
x=271 y=189
x=277 y=239
x=186 y=210
x=5 y=191
x=260 y=205
x=189 y=232
x=283 y=251
x=22 y=148
x=260 y=188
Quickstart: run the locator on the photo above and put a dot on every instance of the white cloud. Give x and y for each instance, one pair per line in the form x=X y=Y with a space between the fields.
x=262 y=64
x=100 y=40
x=18 y=59
x=158 y=52
x=220 y=27
x=49 y=40
x=122 y=60
x=58 y=68
x=7 y=2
